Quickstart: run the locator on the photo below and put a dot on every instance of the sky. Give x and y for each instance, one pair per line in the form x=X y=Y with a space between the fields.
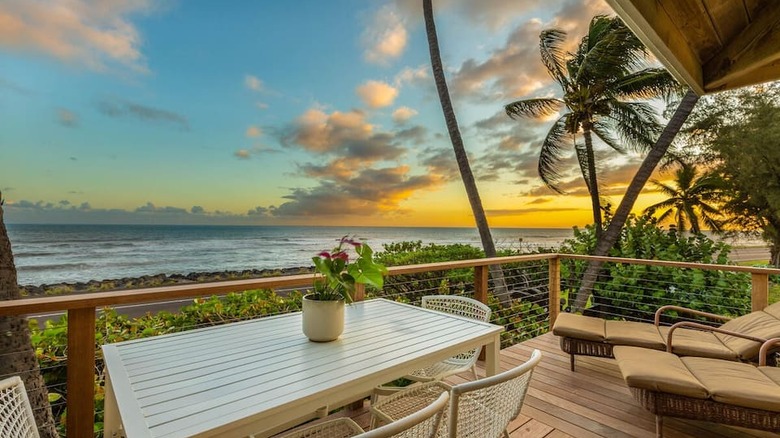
x=280 y=113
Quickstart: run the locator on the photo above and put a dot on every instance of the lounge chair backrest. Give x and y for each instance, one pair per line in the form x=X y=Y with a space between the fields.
x=485 y=407
x=760 y=324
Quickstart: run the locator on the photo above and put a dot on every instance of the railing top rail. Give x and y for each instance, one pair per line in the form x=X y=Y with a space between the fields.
x=183 y=291
x=194 y=290
x=688 y=265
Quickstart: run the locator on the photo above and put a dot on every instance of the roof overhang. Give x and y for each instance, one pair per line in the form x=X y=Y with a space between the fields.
x=710 y=45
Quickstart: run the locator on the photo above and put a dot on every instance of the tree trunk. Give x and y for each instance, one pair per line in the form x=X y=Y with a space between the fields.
x=612 y=233
x=16 y=352
x=593 y=184
x=460 y=154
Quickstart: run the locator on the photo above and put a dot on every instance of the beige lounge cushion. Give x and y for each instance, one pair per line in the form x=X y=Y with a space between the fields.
x=579 y=327
x=772 y=372
x=637 y=334
x=758 y=324
x=688 y=342
x=735 y=383
x=773 y=310
x=657 y=371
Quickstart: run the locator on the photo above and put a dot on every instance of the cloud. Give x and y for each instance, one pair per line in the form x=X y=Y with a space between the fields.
x=257 y=149
x=385 y=38
x=67 y=118
x=258 y=211
x=515 y=70
x=261 y=105
x=253 y=83
x=151 y=208
x=511 y=71
x=343 y=134
x=368 y=192
x=4 y=83
x=403 y=114
x=524 y=211
x=96 y=34
x=67 y=212
x=377 y=94
x=253 y=131
x=124 y=108
x=411 y=76
x=442 y=162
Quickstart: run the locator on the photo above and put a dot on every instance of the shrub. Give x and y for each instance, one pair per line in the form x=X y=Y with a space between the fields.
x=633 y=291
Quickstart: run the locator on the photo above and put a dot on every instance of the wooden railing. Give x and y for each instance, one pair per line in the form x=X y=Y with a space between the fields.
x=81 y=309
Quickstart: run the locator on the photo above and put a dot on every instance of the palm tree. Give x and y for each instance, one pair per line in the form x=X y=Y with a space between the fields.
x=650 y=162
x=689 y=199
x=460 y=152
x=600 y=82
x=18 y=356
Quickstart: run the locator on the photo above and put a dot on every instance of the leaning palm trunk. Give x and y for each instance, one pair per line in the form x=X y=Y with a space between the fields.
x=610 y=236
x=593 y=185
x=460 y=155
x=17 y=357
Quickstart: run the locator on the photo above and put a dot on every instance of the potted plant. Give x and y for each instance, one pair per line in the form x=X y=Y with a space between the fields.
x=323 y=308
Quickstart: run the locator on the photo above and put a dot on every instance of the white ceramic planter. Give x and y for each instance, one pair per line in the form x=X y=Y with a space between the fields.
x=323 y=321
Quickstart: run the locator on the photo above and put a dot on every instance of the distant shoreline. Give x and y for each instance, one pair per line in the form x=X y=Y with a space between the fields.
x=738 y=254
x=146 y=281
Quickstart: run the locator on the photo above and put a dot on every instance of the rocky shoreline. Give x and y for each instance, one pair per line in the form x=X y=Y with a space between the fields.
x=154 y=281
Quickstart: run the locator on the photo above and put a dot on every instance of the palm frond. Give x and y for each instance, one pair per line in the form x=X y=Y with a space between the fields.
x=533 y=108
x=582 y=160
x=648 y=83
x=635 y=123
x=552 y=152
x=610 y=51
x=551 y=42
x=602 y=131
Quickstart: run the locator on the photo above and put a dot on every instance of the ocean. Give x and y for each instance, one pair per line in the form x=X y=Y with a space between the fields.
x=48 y=254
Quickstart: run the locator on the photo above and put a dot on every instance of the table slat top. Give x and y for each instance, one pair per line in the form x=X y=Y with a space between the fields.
x=192 y=382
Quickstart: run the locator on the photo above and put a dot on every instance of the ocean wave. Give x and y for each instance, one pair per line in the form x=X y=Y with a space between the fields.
x=35 y=253
x=52 y=267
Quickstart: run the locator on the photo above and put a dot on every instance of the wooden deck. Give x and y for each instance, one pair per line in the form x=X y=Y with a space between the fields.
x=591 y=402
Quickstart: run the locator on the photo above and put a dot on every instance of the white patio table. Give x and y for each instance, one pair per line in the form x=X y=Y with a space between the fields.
x=260 y=376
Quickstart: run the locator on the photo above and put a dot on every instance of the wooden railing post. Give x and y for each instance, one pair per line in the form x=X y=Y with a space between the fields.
x=360 y=292
x=759 y=297
x=555 y=289
x=481 y=283
x=81 y=372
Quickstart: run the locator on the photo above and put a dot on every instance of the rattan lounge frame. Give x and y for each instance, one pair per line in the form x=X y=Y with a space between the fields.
x=663 y=404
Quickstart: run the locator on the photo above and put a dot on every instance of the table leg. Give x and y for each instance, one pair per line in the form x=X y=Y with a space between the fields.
x=111 y=420
x=493 y=356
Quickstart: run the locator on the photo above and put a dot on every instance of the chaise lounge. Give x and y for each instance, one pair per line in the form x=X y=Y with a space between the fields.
x=698 y=388
x=737 y=339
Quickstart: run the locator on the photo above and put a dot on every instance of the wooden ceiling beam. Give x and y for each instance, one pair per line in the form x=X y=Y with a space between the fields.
x=757 y=46
x=653 y=26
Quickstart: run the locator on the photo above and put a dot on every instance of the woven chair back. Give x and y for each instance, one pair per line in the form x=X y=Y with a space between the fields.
x=16 y=416
x=424 y=423
x=461 y=306
x=485 y=407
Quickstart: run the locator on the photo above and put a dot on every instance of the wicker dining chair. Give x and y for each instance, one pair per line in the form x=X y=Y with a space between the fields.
x=481 y=408
x=424 y=423
x=16 y=415
x=461 y=306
